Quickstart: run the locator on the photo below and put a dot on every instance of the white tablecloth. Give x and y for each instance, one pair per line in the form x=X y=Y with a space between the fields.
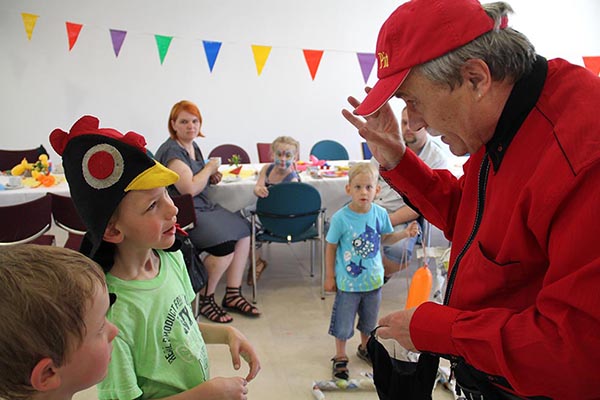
x=9 y=197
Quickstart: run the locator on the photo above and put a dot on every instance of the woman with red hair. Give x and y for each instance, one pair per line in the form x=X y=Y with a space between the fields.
x=224 y=235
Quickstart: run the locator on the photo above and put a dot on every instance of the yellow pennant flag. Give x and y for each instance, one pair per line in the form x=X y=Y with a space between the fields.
x=29 y=21
x=261 y=53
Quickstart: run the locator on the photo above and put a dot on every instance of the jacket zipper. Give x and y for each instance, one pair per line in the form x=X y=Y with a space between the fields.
x=481 y=186
x=484 y=169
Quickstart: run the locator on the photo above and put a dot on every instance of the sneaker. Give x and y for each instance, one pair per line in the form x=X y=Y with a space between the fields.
x=363 y=354
x=340 y=368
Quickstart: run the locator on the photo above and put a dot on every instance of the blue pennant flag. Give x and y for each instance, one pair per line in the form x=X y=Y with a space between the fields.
x=212 y=51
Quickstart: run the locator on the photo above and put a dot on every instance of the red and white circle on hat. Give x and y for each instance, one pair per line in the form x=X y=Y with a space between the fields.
x=102 y=166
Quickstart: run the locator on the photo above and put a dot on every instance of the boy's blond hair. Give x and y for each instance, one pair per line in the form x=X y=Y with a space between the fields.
x=45 y=293
x=363 y=168
x=286 y=140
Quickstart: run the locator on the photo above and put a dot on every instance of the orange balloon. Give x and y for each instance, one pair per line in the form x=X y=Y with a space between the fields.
x=420 y=287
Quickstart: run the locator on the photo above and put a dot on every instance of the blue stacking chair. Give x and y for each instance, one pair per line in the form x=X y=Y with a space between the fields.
x=290 y=213
x=366 y=151
x=329 y=150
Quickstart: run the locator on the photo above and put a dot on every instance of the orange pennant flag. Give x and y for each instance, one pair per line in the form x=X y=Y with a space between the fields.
x=261 y=53
x=29 y=21
x=73 y=30
x=593 y=64
x=313 y=59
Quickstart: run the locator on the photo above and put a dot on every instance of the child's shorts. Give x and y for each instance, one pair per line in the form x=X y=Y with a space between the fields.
x=345 y=308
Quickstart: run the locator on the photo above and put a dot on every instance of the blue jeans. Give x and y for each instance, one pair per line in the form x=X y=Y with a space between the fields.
x=345 y=308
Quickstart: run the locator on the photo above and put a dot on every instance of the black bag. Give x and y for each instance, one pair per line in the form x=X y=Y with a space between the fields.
x=396 y=379
x=195 y=267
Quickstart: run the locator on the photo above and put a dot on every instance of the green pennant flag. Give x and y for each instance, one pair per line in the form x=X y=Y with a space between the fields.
x=163 y=43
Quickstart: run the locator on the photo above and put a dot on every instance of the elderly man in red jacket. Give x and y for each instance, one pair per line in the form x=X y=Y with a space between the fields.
x=522 y=305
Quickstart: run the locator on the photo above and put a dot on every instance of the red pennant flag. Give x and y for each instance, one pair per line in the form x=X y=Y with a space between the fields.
x=313 y=59
x=593 y=64
x=73 y=30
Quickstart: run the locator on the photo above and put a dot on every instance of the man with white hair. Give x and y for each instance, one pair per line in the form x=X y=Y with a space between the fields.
x=521 y=307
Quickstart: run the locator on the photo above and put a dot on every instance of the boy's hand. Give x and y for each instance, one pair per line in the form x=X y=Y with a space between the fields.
x=330 y=285
x=412 y=229
x=240 y=346
x=234 y=388
x=261 y=191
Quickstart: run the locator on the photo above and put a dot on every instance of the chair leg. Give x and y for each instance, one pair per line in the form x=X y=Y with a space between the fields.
x=312 y=258
x=322 y=239
x=253 y=257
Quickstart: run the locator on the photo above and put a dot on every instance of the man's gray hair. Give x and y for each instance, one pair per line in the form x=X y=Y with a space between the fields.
x=507 y=52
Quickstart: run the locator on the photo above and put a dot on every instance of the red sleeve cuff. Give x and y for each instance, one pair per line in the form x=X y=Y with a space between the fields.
x=431 y=328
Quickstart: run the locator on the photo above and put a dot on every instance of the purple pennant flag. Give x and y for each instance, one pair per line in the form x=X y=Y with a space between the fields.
x=117 y=37
x=366 y=61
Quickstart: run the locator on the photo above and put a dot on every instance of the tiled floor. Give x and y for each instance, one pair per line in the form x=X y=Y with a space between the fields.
x=291 y=336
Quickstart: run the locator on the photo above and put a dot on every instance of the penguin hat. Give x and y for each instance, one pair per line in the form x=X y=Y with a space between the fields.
x=101 y=166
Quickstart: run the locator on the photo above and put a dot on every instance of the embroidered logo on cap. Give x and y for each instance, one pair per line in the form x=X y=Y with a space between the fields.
x=102 y=166
x=383 y=60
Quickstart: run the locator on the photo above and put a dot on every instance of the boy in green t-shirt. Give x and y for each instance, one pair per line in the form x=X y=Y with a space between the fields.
x=120 y=193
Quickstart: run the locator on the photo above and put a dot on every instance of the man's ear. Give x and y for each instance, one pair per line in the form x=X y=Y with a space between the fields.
x=45 y=376
x=476 y=74
x=112 y=234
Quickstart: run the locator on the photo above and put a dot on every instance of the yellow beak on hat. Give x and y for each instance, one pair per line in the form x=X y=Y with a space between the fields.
x=156 y=176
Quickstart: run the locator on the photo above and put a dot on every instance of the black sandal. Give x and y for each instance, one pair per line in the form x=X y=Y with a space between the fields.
x=208 y=308
x=234 y=301
x=340 y=368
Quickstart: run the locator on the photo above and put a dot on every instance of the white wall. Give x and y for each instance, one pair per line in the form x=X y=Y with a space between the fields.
x=44 y=86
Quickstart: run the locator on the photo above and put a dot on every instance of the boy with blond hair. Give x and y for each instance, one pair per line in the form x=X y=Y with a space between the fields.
x=120 y=193
x=55 y=339
x=354 y=269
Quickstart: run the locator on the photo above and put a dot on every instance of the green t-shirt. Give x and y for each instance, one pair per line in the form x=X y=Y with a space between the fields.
x=159 y=350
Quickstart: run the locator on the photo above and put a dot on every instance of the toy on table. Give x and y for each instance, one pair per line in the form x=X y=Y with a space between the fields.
x=40 y=172
x=314 y=162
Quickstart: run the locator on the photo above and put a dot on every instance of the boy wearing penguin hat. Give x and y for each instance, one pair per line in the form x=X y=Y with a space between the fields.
x=120 y=193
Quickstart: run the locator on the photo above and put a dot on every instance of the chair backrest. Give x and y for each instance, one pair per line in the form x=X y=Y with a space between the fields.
x=186 y=216
x=10 y=158
x=225 y=151
x=329 y=150
x=366 y=151
x=67 y=218
x=65 y=214
x=264 y=152
x=25 y=222
x=290 y=208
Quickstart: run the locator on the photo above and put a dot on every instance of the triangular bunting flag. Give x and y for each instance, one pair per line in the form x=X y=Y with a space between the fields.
x=73 y=30
x=261 y=53
x=29 y=21
x=117 y=38
x=593 y=64
x=313 y=59
x=211 y=49
x=163 y=43
x=366 y=61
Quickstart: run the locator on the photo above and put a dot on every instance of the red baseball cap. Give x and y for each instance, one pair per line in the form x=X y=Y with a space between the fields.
x=417 y=32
